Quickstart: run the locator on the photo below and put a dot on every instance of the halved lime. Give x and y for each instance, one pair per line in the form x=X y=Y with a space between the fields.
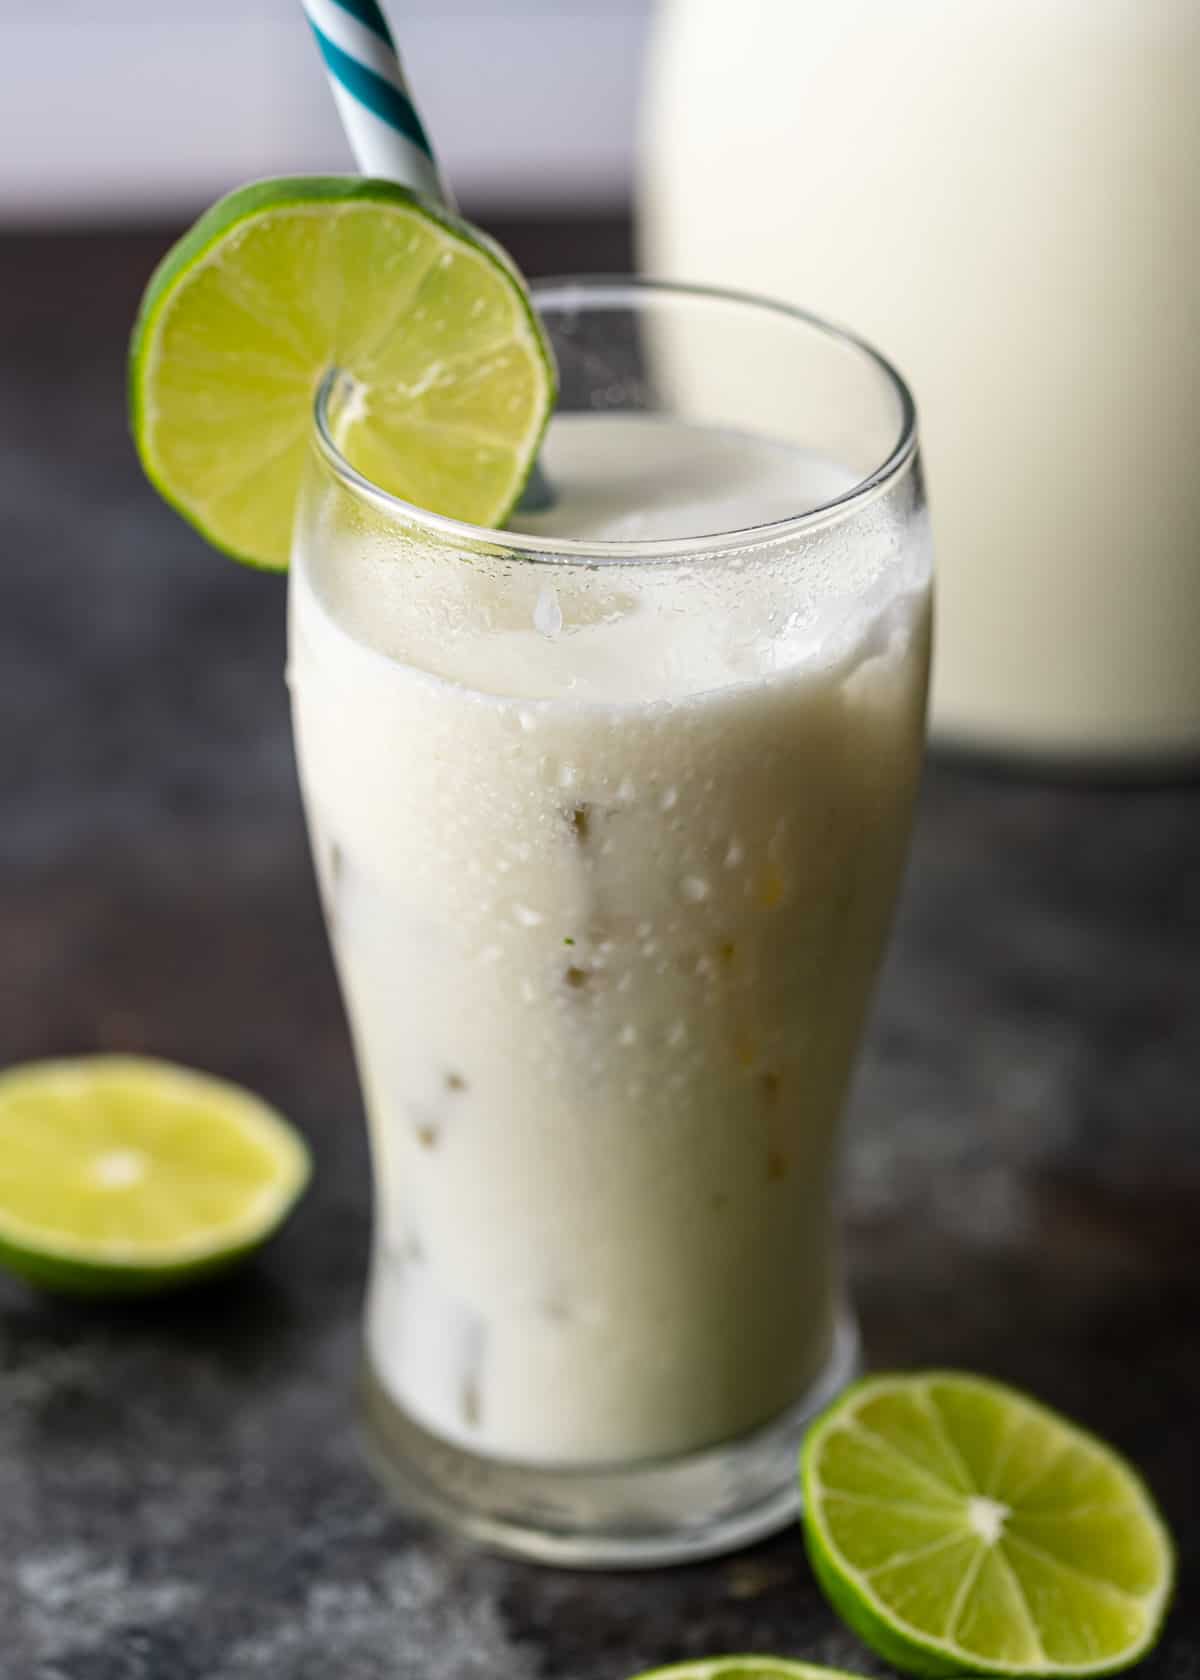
x=959 y=1527
x=283 y=280
x=119 y=1174
x=745 y=1668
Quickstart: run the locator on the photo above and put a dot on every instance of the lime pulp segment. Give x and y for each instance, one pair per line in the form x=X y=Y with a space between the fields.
x=960 y=1527
x=284 y=280
x=118 y=1173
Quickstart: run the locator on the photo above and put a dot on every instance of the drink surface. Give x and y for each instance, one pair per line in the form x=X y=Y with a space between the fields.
x=608 y=855
x=639 y=478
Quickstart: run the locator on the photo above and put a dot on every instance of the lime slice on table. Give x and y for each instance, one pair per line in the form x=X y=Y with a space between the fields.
x=961 y=1528
x=285 y=279
x=120 y=1175
x=745 y=1668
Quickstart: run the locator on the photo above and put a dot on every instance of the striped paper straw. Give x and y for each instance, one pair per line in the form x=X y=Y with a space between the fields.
x=386 y=135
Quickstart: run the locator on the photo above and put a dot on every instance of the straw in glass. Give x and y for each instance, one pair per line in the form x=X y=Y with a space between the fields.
x=385 y=132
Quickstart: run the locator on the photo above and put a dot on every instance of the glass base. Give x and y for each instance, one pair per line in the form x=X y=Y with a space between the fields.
x=661 y=1511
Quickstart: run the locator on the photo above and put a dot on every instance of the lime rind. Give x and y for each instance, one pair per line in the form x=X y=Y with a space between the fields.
x=284 y=345
x=902 y=1640
x=53 y=1114
x=745 y=1668
x=82 y=1279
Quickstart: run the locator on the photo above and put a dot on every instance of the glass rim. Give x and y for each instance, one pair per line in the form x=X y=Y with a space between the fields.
x=608 y=291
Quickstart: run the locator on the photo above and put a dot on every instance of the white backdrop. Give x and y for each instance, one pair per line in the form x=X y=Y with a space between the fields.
x=124 y=109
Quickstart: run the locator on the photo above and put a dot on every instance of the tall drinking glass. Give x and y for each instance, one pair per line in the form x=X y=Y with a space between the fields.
x=609 y=813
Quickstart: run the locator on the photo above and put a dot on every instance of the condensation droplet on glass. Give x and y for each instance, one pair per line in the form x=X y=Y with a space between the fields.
x=547 y=614
x=695 y=888
x=527 y=917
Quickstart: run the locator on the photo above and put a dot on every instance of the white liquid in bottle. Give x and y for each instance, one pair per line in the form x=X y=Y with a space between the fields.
x=1006 y=198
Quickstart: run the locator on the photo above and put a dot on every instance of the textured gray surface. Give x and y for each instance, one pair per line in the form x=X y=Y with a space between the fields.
x=180 y=1491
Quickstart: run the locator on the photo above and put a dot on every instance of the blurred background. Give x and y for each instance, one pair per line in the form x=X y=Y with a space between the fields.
x=1004 y=195
x=132 y=112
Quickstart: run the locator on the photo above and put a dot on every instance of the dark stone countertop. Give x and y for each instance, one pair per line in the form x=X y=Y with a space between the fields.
x=180 y=1491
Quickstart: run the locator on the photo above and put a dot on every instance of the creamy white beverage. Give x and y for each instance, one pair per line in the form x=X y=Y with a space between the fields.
x=607 y=884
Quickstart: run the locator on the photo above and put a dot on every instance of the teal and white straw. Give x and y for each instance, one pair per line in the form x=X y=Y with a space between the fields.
x=386 y=135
